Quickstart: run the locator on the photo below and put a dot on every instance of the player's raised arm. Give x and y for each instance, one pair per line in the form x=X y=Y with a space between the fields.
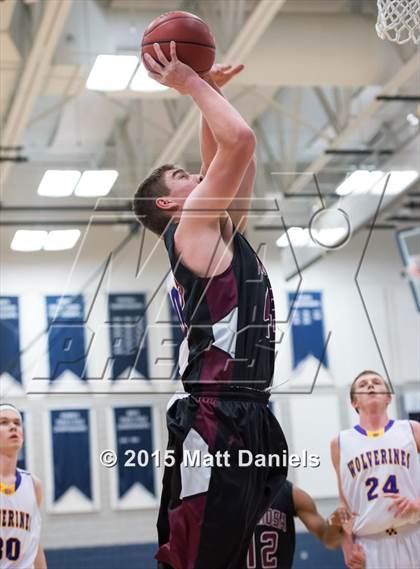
x=235 y=139
x=218 y=76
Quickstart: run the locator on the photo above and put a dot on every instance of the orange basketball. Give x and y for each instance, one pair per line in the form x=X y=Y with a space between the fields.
x=195 y=44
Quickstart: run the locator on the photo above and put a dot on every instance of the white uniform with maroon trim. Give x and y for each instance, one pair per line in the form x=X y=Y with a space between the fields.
x=20 y=524
x=373 y=467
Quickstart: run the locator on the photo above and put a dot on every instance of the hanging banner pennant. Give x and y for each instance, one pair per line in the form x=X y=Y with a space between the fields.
x=177 y=339
x=128 y=325
x=134 y=437
x=307 y=327
x=70 y=430
x=66 y=338
x=9 y=337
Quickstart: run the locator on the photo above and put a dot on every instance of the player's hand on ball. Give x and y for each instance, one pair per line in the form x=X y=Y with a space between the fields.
x=222 y=73
x=403 y=506
x=356 y=559
x=172 y=73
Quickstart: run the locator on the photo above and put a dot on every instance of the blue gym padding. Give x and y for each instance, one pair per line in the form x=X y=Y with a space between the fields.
x=310 y=554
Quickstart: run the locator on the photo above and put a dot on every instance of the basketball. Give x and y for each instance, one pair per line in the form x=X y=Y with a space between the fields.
x=195 y=45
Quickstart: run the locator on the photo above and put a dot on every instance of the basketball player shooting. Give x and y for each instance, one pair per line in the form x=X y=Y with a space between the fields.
x=208 y=513
x=378 y=477
x=20 y=500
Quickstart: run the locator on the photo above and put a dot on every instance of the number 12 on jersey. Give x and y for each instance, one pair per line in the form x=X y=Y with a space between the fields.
x=269 y=541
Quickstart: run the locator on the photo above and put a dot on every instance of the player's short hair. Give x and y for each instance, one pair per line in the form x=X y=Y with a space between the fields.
x=152 y=187
x=361 y=374
x=10 y=407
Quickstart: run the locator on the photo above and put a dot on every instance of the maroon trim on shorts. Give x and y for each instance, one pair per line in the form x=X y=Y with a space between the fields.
x=185 y=522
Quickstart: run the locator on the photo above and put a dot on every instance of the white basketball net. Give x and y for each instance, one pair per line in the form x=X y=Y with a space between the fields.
x=399 y=20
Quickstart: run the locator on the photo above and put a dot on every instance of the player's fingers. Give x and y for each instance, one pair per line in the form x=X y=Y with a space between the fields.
x=172 y=48
x=402 y=511
x=156 y=67
x=160 y=55
x=156 y=76
x=238 y=69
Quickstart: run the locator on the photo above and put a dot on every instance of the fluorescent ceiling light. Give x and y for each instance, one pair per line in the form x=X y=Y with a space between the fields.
x=94 y=183
x=142 y=82
x=412 y=119
x=28 y=240
x=398 y=181
x=298 y=236
x=60 y=240
x=58 y=183
x=57 y=240
x=359 y=182
x=111 y=72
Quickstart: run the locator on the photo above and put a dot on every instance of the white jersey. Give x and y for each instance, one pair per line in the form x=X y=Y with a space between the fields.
x=20 y=524
x=372 y=468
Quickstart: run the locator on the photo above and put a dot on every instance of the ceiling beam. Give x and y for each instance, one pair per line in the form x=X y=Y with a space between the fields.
x=253 y=29
x=403 y=75
x=33 y=75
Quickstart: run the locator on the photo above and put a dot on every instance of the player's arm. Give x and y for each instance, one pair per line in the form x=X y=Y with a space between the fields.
x=330 y=535
x=234 y=138
x=354 y=556
x=40 y=561
x=415 y=425
x=238 y=209
x=401 y=506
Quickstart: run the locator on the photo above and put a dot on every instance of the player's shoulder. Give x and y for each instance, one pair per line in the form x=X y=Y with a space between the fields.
x=284 y=497
x=37 y=485
x=406 y=425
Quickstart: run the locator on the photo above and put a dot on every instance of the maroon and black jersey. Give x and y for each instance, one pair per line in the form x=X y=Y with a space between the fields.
x=229 y=320
x=208 y=513
x=273 y=542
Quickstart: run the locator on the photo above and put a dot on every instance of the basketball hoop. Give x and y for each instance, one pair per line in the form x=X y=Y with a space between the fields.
x=399 y=20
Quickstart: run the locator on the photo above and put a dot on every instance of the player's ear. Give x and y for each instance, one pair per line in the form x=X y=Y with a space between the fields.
x=166 y=203
x=354 y=404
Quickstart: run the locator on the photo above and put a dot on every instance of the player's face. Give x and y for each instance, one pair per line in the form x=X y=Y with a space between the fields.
x=181 y=184
x=11 y=431
x=370 y=390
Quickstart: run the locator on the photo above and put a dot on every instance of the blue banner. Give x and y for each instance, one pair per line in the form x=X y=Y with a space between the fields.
x=21 y=461
x=9 y=337
x=71 y=451
x=128 y=325
x=307 y=327
x=177 y=338
x=133 y=430
x=66 y=338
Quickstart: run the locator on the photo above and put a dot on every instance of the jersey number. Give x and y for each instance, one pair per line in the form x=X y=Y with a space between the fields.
x=390 y=486
x=9 y=549
x=269 y=543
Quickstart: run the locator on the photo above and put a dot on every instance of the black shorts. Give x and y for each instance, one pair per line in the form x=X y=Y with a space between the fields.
x=208 y=513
